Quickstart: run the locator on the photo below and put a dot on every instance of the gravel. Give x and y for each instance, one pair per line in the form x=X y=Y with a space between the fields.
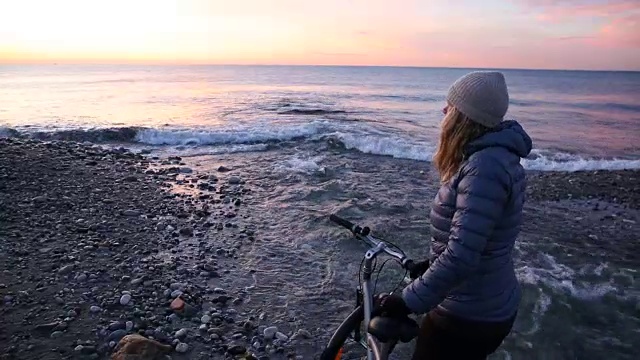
x=93 y=253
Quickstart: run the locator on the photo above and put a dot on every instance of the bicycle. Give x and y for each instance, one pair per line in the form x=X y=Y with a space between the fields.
x=383 y=333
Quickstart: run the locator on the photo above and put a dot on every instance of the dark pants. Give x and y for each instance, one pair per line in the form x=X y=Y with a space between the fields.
x=447 y=337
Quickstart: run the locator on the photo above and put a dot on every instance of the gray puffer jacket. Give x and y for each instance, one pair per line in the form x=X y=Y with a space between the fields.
x=475 y=219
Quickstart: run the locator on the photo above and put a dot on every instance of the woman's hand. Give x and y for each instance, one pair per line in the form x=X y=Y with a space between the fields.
x=418 y=269
x=391 y=305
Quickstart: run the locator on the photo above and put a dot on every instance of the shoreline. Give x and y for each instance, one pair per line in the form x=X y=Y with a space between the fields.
x=83 y=226
x=189 y=142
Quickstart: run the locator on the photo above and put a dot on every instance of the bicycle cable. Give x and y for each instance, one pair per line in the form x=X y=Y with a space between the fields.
x=375 y=285
x=401 y=281
x=375 y=264
x=401 y=265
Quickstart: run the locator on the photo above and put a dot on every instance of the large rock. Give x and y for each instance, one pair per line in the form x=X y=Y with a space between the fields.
x=140 y=348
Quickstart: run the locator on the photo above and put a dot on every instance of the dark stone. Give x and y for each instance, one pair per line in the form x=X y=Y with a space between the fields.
x=47 y=327
x=88 y=349
x=117 y=325
x=236 y=350
x=186 y=231
x=117 y=335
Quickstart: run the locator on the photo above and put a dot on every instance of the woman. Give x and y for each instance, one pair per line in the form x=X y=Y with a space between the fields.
x=469 y=292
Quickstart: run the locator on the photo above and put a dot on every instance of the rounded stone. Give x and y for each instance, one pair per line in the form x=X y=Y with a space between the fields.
x=270 y=332
x=125 y=299
x=182 y=347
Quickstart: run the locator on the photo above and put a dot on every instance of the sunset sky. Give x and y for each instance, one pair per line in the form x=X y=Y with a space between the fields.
x=558 y=34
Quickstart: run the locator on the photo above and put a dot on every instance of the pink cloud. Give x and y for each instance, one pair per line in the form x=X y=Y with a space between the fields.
x=527 y=48
x=619 y=19
x=620 y=32
x=559 y=10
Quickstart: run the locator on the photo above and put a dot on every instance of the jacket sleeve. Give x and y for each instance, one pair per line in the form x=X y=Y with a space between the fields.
x=481 y=195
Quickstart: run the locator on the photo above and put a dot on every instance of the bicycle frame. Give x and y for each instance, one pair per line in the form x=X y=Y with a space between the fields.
x=375 y=349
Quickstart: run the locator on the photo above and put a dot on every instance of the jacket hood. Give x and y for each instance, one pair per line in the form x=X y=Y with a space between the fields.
x=508 y=134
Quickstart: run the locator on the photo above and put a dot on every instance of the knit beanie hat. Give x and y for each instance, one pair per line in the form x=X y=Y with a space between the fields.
x=482 y=96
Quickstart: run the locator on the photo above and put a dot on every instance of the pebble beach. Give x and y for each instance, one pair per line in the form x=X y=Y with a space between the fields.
x=99 y=245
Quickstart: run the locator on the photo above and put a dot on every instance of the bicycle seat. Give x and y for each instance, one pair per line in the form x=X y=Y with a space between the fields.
x=387 y=329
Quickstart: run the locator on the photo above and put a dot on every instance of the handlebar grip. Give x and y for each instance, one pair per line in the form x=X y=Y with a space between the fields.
x=342 y=222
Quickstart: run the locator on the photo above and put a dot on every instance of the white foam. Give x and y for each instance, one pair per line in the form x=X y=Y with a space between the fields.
x=387 y=145
x=541 y=160
x=506 y=355
x=597 y=270
x=539 y=309
x=362 y=137
x=216 y=150
x=544 y=160
x=545 y=164
x=585 y=291
x=302 y=165
x=230 y=135
x=562 y=278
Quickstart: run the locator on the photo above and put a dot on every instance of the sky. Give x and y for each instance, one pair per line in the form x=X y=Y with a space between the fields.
x=534 y=34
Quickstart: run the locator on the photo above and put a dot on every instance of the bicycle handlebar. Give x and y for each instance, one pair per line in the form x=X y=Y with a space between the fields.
x=355 y=229
x=364 y=234
x=340 y=221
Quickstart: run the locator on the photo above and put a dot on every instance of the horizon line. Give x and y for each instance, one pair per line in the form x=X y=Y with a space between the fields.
x=62 y=63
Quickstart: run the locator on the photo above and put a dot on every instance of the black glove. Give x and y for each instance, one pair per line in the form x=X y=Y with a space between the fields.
x=418 y=269
x=391 y=305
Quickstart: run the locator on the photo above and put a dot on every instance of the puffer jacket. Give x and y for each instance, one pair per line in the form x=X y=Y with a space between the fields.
x=475 y=219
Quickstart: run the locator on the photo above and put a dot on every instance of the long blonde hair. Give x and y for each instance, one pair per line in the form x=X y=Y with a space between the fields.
x=457 y=131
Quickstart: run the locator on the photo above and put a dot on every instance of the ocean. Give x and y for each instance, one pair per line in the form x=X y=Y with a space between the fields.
x=357 y=141
x=579 y=120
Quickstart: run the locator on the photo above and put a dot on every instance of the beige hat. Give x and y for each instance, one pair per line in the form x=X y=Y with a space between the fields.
x=482 y=96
